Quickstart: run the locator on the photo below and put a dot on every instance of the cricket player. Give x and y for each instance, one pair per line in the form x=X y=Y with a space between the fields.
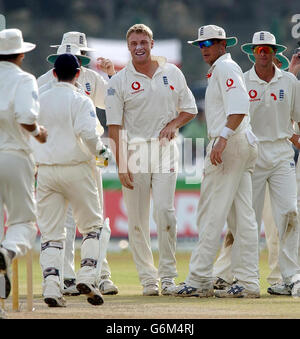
x=274 y=97
x=270 y=228
x=19 y=110
x=148 y=101
x=94 y=86
x=229 y=163
x=67 y=174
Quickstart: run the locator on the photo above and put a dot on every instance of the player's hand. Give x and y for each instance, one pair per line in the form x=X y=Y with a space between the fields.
x=168 y=132
x=105 y=65
x=217 y=150
x=295 y=64
x=295 y=140
x=42 y=137
x=126 y=179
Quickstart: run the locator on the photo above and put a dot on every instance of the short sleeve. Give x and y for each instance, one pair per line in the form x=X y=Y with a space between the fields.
x=27 y=104
x=114 y=102
x=233 y=88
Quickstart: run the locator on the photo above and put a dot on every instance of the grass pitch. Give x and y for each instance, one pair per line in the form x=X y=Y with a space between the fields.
x=130 y=304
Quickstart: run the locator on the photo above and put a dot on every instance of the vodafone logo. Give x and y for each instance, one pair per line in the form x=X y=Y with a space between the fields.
x=252 y=94
x=229 y=82
x=136 y=86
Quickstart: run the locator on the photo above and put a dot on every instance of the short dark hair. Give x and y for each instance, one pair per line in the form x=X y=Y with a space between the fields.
x=66 y=66
x=8 y=57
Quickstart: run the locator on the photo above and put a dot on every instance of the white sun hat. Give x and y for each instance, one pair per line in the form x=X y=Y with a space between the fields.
x=262 y=38
x=213 y=32
x=285 y=63
x=75 y=38
x=11 y=42
x=71 y=49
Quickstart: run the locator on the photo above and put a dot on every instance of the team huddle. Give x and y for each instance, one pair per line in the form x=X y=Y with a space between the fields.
x=50 y=133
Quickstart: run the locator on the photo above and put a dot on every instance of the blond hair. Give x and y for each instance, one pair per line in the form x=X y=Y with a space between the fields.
x=139 y=28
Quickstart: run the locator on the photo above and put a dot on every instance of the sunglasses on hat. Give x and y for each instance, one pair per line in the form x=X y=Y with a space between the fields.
x=265 y=49
x=206 y=43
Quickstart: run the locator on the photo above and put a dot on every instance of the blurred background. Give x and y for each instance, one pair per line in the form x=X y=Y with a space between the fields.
x=44 y=22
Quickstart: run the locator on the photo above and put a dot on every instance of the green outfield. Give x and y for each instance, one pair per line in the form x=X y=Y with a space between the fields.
x=129 y=303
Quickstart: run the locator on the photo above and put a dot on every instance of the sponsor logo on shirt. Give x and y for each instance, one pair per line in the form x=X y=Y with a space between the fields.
x=292 y=164
x=208 y=75
x=172 y=87
x=136 y=86
x=274 y=96
x=92 y=114
x=281 y=95
x=253 y=94
x=88 y=88
x=111 y=91
x=229 y=84
x=165 y=80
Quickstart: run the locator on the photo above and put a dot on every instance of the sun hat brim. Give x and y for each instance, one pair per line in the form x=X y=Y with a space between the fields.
x=247 y=48
x=86 y=49
x=26 y=47
x=232 y=41
x=283 y=59
x=84 y=59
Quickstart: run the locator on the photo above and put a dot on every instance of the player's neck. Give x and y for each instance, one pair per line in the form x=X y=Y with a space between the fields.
x=265 y=73
x=148 y=68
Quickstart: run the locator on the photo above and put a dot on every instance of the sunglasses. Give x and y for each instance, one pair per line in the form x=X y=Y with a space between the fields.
x=206 y=43
x=265 y=49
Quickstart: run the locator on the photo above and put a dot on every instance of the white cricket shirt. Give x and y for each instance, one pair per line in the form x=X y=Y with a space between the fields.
x=18 y=105
x=70 y=120
x=273 y=104
x=226 y=94
x=143 y=105
x=93 y=84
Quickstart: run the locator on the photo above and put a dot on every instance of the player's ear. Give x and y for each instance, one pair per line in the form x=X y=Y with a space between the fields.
x=152 y=43
x=54 y=73
x=77 y=74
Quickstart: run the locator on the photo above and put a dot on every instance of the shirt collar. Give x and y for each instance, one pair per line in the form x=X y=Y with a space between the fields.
x=254 y=77
x=160 y=60
x=9 y=64
x=66 y=84
x=226 y=56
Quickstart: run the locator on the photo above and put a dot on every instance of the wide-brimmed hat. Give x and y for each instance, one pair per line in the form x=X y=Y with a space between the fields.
x=11 y=42
x=213 y=32
x=262 y=38
x=75 y=38
x=70 y=49
x=285 y=63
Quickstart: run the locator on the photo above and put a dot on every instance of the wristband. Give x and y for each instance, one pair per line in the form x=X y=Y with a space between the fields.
x=226 y=132
x=36 y=131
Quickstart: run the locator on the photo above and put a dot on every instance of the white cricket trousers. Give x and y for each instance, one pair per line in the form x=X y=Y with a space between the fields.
x=224 y=187
x=69 y=259
x=275 y=166
x=17 y=194
x=160 y=182
x=58 y=185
